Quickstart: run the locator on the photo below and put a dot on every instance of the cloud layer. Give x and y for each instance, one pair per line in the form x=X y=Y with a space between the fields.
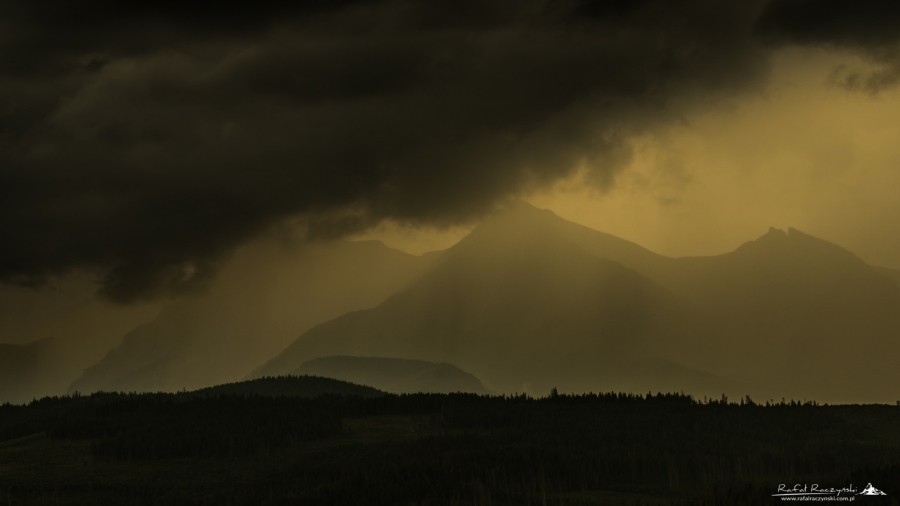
x=870 y=28
x=144 y=142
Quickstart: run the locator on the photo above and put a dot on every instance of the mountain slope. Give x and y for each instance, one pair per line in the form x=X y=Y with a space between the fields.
x=891 y=273
x=41 y=368
x=48 y=336
x=262 y=299
x=799 y=316
x=524 y=308
x=394 y=375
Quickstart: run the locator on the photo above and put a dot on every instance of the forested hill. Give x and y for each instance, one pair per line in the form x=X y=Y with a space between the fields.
x=395 y=375
x=288 y=386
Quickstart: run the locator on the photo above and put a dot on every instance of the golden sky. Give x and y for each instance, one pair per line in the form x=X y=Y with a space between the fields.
x=803 y=153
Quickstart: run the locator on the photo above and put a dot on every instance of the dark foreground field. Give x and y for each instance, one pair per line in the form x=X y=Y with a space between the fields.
x=229 y=446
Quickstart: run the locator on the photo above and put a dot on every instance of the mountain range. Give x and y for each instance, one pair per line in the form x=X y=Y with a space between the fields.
x=529 y=301
x=526 y=302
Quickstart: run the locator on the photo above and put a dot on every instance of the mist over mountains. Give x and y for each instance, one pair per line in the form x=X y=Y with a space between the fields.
x=264 y=299
x=527 y=302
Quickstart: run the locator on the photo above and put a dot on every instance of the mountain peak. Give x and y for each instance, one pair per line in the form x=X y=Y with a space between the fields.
x=774 y=238
x=775 y=233
x=520 y=221
x=798 y=244
x=518 y=229
x=520 y=210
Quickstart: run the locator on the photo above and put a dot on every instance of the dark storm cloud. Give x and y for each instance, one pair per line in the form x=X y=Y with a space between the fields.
x=868 y=27
x=146 y=140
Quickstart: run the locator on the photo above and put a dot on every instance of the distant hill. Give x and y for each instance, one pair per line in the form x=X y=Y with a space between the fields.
x=306 y=386
x=395 y=375
x=529 y=301
x=260 y=301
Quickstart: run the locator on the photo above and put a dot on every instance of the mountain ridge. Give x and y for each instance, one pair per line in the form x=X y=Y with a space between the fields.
x=529 y=300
